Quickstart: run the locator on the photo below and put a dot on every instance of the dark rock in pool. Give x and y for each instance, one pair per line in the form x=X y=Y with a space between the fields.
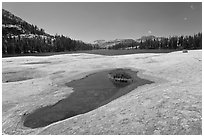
x=120 y=76
x=90 y=92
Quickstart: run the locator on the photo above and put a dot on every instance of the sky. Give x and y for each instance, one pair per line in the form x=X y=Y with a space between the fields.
x=108 y=21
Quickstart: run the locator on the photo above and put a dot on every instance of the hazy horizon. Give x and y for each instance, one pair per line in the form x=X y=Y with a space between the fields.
x=107 y=21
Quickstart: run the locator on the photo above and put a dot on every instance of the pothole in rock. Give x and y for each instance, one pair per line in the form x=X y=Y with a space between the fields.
x=90 y=92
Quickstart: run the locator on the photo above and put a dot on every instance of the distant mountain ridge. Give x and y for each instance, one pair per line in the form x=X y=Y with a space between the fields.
x=110 y=43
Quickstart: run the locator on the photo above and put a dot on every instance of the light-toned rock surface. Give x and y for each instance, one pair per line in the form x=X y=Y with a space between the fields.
x=171 y=105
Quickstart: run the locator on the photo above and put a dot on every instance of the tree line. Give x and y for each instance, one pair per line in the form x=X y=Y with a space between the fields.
x=40 y=43
x=175 y=42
